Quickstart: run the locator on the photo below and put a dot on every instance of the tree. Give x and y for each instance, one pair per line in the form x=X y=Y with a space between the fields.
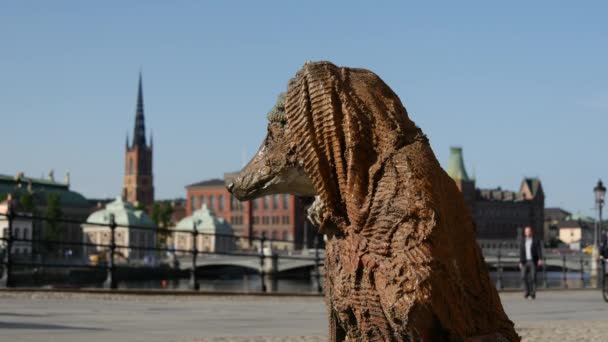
x=141 y=207
x=161 y=215
x=156 y=209
x=53 y=214
x=165 y=214
x=27 y=202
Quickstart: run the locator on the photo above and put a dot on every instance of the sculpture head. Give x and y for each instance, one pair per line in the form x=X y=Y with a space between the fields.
x=329 y=136
x=275 y=168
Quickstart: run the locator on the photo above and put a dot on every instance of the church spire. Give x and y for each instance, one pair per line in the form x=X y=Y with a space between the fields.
x=139 y=132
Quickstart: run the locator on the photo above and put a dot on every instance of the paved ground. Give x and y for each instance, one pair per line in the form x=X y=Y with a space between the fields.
x=562 y=316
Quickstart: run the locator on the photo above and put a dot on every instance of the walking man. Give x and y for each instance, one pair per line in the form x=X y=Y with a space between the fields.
x=529 y=259
x=604 y=245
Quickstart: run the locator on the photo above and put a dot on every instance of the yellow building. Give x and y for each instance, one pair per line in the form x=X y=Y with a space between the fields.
x=576 y=232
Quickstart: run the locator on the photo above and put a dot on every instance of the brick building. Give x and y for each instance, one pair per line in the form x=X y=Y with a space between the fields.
x=499 y=214
x=138 y=185
x=281 y=217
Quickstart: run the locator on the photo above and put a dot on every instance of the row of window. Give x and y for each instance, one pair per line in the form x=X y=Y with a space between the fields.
x=17 y=250
x=264 y=202
x=210 y=201
x=137 y=238
x=274 y=235
x=505 y=212
x=494 y=227
x=184 y=241
x=18 y=233
x=278 y=202
x=274 y=220
x=235 y=204
x=237 y=220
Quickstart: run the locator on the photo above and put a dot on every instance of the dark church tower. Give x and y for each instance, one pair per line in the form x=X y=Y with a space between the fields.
x=138 y=184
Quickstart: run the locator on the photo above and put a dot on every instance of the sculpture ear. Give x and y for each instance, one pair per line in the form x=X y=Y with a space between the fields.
x=314 y=212
x=318 y=217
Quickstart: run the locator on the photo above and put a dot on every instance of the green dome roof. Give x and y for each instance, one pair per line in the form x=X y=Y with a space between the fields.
x=125 y=214
x=456 y=168
x=206 y=222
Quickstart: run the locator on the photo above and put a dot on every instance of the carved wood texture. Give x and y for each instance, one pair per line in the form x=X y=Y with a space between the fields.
x=404 y=263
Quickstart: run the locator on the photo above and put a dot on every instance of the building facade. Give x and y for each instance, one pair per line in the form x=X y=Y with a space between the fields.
x=40 y=193
x=576 y=231
x=22 y=227
x=553 y=218
x=499 y=214
x=128 y=219
x=280 y=217
x=138 y=185
x=215 y=234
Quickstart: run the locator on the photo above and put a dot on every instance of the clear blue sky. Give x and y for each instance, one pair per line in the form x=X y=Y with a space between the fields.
x=522 y=86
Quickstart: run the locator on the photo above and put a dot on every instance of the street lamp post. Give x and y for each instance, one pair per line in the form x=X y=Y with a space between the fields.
x=600 y=192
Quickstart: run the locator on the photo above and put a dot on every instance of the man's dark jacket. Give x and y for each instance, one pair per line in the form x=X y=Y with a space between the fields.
x=604 y=245
x=536 y=251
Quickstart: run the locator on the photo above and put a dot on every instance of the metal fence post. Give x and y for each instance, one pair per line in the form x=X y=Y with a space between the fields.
x=582 y=272
x=6 y=279
x=317 y=272
x=111 y=277
x=262 y=256
x=564 y=270
x=499 y=269
x=603 y=274
x=194 y=285
x=545 y=283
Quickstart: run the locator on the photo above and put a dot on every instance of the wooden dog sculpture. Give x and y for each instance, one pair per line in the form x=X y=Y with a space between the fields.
x=402 y=262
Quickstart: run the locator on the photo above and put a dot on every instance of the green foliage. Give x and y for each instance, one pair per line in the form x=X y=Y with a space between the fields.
x=161 y=215
x=141 y=207
x=53 y=214
x=27 y=202
x=3 y=197
x=156 y=209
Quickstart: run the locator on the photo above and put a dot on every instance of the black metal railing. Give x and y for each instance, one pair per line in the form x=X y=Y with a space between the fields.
x=567 y=270
x=233 y=245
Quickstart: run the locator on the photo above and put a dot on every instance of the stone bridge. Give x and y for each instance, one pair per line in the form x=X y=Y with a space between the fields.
x=273 y=263
x=279 y=263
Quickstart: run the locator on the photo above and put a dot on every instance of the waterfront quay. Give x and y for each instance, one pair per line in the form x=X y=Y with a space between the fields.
x=572 y=315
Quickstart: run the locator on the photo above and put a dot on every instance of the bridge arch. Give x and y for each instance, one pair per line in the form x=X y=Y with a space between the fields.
x=231 y=267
